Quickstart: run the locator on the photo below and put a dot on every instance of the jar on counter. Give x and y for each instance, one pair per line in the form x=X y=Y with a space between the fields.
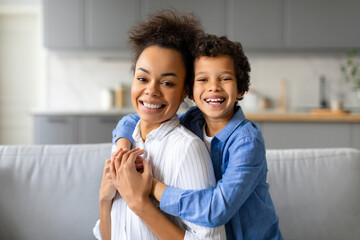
x=119 y=96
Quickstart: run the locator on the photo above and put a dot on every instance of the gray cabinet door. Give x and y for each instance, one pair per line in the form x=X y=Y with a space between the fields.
x=56 y=130
x=355 y=135
x=64 y=24
x=306 y=135
x=210 y=12
x=255 y=23
x=322 y=23
x=107 y=23
x=97 y=129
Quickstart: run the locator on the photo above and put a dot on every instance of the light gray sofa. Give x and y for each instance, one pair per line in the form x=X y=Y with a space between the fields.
x=51 y=192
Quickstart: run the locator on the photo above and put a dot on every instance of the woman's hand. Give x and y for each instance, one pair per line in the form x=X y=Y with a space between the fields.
x=133 y=186
x=107 y=188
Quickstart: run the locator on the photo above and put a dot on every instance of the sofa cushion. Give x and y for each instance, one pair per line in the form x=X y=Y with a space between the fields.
x=50 y=192
x=316 y=192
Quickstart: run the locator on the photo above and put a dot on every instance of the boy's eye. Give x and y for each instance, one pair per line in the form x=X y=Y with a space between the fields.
x=227 y=79
x=201 y=80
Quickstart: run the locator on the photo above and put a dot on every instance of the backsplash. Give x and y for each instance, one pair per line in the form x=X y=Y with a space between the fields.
x=76 y=82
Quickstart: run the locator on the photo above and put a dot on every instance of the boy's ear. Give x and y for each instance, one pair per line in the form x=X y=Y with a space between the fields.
x=240 y=96
x=185 y=93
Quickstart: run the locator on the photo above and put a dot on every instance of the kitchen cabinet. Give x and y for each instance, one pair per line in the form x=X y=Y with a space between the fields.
x=281 y=135
x=255 y=23
x=96 y=129
x=56 y=130
x=355 y=136
x=89 y=24
x=82 y=25
x=322 y=24
x=211 y=12
x=108 y=23
x=64 y=24
x=74 y=129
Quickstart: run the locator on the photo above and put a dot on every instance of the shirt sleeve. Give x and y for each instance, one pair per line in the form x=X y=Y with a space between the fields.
x=96 y=230
x=125 y=127
x=196 y=172
x=213 y=207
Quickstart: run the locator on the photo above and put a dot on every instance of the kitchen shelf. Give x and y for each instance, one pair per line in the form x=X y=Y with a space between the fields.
x=302 y=117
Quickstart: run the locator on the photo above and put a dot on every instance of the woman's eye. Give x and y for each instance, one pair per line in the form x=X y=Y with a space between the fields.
x=141 y=79
x=168 y=84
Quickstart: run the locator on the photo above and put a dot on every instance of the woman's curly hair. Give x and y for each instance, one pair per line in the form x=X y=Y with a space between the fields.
x=211 y=46
x=168 y=29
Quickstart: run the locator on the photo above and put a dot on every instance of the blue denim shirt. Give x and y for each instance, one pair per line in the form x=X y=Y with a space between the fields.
x=241 y=198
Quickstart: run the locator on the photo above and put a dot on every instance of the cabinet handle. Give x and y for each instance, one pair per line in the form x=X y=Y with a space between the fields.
x=57 y=120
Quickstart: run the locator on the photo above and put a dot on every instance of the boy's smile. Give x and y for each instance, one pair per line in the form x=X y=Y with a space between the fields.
x=215 y=88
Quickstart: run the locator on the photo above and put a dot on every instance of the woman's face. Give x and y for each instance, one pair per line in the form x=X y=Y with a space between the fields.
x=158 y=85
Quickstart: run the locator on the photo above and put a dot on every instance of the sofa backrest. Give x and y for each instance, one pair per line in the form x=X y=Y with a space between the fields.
x=316 y=192
x=50 y=192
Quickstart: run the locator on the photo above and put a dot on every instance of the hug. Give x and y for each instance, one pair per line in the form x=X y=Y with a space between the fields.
x=197 y=175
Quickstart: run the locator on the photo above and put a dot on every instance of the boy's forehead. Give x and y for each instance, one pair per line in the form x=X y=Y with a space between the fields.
x=220 y=61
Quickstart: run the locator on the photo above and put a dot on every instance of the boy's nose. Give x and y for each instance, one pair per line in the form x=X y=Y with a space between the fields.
x=214 y=86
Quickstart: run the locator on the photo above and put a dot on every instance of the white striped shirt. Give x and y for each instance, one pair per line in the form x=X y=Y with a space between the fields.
x=178 y=159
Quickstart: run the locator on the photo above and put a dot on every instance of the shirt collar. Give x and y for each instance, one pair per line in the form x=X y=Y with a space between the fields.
x=235 y=121
x=158 y=133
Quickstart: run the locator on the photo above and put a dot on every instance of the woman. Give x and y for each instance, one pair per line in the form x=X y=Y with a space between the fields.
x=162 y=73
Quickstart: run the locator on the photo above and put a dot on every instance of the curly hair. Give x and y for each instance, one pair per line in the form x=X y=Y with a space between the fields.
x=168 y=29
x=211 y=46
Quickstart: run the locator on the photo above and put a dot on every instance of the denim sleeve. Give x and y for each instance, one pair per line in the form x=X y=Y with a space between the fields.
x=213 y=207
x=125 y=128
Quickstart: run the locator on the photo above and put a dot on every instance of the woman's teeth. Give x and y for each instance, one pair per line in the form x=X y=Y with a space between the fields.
x=148 y=105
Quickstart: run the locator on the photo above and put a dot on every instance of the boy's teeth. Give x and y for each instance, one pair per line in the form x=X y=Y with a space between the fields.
x=148 y=105
x=214 y=100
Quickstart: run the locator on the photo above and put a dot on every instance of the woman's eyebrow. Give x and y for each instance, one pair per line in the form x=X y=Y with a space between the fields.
x=144 y=70
x=168 y=74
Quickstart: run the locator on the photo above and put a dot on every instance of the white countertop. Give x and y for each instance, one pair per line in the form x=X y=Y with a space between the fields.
x=88 y=112
x=97 y=112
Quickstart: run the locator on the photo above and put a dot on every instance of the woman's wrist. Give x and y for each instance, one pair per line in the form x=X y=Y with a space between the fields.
x=140 y=207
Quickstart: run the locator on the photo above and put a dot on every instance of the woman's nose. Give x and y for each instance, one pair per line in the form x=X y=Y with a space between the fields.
x=153 y=89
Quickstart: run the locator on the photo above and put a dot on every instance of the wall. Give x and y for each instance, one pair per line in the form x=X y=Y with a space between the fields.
x=22 y=83
x=75 y=82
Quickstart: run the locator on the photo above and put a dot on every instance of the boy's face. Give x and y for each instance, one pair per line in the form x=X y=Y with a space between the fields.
x=215 y=87
x=158 y=85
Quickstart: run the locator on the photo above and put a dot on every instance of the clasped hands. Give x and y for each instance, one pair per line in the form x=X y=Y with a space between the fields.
x=130 y=174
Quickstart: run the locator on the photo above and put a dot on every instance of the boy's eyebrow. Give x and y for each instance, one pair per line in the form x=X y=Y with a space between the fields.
x=225 y=71
x=199 y=73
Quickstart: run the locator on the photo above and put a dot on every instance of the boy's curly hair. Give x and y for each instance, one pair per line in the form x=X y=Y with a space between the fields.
x=211 y=46
x=168 y=29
